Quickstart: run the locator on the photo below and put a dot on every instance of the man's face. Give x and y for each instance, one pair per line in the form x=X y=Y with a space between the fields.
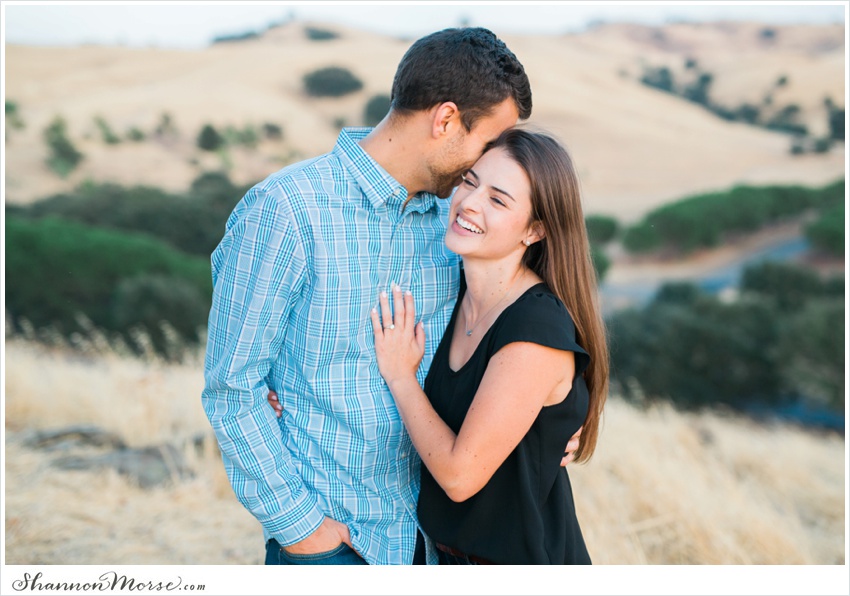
x=463 y=150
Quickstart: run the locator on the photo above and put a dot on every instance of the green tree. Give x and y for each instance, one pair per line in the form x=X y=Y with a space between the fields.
x=147 y=301
x=827 y=232
x=601 y=262
x=658 y=78
x=812 y=351
x=209 y=139
x=84 y=266
x=332 y=81
x=696 y=351
x=63 y=157
x=788 y=286
x=601 y=229
x=376 y=108
x=317 y=34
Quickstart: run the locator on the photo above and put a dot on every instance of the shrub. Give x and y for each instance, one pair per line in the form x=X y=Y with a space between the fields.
x=209 y=139
x=236 y=37
x=13 y=116
x=57 y=269
x=812 y=351
x=331 y=82
x=827 y=232
x=748 y=113
x=658 y=78
x=166 y=129
x=601 y=262
x=106 y=132
x=703 y=220
x=785 y=120
x=316 y=34
x=601 y=229
x=837 y=123
x=135 y=134
x=272 y=131
x=641 y=238
x=798 y=146
x=697 y=92
x=147 y=300
x=697 y=351
x=788 y=286
x=376 y=109
x=246 y=136
x=193 y=223
x=822 y=145
x=64 y=157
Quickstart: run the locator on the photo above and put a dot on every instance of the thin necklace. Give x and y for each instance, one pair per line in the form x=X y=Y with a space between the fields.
x=469 y=330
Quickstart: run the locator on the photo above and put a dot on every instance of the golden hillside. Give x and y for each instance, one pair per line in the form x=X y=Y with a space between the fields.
x=663 y=488
x=635 y=147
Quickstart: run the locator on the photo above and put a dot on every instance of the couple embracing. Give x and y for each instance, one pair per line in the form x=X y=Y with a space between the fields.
x=393 y=377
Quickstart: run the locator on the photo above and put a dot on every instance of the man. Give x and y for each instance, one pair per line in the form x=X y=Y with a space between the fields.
x=305 y=253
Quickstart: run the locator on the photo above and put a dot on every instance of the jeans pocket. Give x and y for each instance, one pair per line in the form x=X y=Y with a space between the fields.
x=314 y=558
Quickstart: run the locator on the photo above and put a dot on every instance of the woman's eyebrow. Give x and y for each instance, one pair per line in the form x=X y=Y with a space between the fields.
x=500 y=191
x=496 y=188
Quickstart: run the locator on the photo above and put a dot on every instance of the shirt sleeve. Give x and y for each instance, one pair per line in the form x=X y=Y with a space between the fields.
x=258 y=269
x=540 y=317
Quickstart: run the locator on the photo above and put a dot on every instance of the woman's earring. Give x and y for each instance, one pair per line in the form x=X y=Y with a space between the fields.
x=526 y=242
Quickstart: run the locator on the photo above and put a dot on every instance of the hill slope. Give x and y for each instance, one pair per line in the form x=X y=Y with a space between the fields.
x=636 y=147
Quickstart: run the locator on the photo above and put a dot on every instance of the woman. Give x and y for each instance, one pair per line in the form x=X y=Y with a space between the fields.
x=523 y=363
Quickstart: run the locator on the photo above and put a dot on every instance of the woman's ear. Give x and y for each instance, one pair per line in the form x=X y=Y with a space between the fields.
x=536 y=233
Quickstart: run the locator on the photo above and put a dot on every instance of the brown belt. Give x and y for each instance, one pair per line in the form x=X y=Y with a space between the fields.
x=461 y=555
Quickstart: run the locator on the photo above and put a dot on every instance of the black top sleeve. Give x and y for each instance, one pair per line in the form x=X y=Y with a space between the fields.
x=541 y=318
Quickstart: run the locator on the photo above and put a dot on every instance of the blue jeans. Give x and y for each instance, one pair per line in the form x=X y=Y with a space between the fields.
x=341 y=555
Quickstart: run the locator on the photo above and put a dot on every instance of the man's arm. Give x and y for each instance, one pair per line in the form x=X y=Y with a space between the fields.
x=258 y=268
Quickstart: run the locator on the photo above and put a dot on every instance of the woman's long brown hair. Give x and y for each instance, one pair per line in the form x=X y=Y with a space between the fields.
x=562 y=258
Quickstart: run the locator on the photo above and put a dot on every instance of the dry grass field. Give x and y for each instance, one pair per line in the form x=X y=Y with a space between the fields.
x=635 y=147
x=664 y=487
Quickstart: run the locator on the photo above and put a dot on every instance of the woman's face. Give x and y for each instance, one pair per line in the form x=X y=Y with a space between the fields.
x=490 y=214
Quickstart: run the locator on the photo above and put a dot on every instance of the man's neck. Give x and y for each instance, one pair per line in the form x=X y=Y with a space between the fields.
x=396 y=150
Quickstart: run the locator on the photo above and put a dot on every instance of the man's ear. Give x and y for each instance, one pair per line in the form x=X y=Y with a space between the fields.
x=446 y=117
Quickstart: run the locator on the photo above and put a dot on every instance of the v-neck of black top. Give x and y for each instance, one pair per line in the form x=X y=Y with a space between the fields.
x=451 y=328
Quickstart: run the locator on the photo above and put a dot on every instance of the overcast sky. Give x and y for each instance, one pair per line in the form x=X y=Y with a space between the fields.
x=194 y=25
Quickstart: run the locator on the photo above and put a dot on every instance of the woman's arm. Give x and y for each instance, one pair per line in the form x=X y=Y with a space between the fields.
x=520 y=379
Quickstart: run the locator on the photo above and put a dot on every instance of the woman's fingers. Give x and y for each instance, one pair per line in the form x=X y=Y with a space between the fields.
x=386 y=314
x=401 y=316
x=409 y=312
x=398 y=307
x=376 y=323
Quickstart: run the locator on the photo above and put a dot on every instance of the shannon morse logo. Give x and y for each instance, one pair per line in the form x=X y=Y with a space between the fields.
x=109 y=581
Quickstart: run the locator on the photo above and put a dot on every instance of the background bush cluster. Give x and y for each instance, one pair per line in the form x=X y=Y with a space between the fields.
x=125 y=258
x=781 y=342
x=704 y=220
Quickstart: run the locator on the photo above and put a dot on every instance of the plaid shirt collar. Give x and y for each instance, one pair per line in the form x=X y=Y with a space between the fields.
x=380 y=188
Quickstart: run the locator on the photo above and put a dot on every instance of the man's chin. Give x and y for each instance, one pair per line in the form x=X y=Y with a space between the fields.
x=447 y=191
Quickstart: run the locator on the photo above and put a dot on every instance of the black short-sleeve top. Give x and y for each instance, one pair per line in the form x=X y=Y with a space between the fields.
x=525 y=514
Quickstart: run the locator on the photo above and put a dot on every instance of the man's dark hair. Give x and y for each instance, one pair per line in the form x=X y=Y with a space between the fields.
x=470 y=67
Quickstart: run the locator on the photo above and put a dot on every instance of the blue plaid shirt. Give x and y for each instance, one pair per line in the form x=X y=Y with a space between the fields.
x=303 y=258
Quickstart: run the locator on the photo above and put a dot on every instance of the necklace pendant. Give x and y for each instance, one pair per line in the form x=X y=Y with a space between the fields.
x=468 y=332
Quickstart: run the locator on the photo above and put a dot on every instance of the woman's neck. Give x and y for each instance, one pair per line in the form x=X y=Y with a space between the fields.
x=490 y=282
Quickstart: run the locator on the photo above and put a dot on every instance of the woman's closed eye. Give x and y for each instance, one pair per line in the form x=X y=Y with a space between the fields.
x=469 y=181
